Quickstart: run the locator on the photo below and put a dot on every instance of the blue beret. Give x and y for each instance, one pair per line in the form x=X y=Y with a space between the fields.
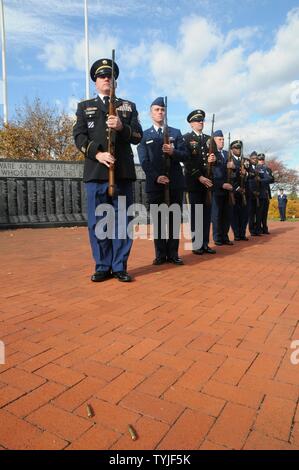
x=218 y=133
x=159 y=102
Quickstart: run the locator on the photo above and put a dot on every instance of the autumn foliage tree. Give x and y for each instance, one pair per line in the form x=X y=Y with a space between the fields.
x=38 y=132
x=285 y=177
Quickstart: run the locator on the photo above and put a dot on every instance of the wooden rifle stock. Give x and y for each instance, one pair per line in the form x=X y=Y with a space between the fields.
x=166 y=156
x=231 y=196
x=112 y=132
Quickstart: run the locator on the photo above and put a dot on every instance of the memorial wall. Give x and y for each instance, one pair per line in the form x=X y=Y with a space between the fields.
x=47 y=193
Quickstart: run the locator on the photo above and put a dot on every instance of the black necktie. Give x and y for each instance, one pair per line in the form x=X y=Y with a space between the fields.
x=106 y=100
x=160 y=132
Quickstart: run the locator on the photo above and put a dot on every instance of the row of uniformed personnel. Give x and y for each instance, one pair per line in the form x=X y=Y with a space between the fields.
x=90 y=134
x=250 y=182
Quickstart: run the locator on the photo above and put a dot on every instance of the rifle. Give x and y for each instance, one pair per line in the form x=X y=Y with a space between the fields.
x=212 y=149
x=242 y=179
x=231 y=196
x=258 y=186
x=112 y=132
x=166 y=156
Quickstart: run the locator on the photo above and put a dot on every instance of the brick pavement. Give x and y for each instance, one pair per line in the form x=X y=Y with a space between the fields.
x=194 y=357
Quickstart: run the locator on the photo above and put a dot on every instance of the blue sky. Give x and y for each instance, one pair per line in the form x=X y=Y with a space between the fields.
x=237 y=59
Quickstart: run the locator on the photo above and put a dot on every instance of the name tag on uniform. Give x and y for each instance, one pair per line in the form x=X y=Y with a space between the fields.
x=149 y=141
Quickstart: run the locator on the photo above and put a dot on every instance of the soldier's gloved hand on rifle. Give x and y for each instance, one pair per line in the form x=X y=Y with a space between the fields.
x=212 y=158
x=205 y=181
x=227 y=186
x=114 y=122
x=163 y=179
x=230 y=166
x=106 y=158
x=168 y=148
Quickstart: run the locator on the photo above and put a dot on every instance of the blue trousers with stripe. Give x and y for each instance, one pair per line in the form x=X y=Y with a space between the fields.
x=110 y=253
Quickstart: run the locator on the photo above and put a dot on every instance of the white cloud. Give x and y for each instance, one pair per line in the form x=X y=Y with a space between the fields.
x=281 y=62
x=275 y=137
x=205 y=70
x=62 y=56
x=56 y=56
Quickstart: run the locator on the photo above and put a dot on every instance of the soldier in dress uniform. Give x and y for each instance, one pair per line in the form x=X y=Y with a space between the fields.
x=221 y=209
x=90 y=134
x=266 y=194
x=150 y=152
x=197 y=183
x=239 y=210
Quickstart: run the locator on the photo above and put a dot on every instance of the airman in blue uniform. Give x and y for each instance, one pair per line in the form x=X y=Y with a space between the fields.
x=282 y=205
x=150 y=152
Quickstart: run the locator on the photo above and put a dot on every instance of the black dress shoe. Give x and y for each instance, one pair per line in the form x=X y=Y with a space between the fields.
x=245 y=239
x=200 y=251
x=100 y=276
x=176 y=260
x=209 y=250
x=122 y=276
x=266 y=233
x=237 y=239
x=219 y=243
x=227 y=242
x=158 y=261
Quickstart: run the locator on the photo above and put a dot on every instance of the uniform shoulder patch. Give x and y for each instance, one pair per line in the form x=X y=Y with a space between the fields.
x=125 y=106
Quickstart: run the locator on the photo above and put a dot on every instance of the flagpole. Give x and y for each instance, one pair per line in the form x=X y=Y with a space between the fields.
x=5 y=106
x=87 y=95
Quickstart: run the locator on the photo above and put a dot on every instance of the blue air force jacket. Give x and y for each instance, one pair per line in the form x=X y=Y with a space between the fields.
x=153 y=163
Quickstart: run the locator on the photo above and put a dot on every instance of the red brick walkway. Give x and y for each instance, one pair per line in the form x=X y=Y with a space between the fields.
x=194 y=357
